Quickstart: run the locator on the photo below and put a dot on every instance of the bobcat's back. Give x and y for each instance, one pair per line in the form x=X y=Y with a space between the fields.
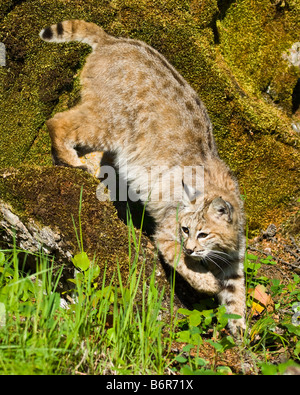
x=135 y=103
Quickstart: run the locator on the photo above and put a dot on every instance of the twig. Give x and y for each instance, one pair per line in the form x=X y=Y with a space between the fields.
x=295 y=244
x=273 y=257
x=290 y=251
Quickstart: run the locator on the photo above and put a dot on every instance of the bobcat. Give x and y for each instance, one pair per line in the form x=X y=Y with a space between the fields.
x=133 y=102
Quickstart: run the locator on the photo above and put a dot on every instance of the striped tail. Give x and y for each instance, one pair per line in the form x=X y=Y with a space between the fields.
x=74 y=30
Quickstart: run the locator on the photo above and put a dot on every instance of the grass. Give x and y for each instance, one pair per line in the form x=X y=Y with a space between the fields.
x=119 y=328
x=104 y=330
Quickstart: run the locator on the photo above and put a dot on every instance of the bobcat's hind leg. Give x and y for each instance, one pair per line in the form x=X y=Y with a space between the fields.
x=67 y=130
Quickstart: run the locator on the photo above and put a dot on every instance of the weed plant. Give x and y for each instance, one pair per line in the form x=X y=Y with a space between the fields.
x=103 y=330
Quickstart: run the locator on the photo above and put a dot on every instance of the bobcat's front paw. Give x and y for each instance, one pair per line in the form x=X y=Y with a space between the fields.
x=237 y=327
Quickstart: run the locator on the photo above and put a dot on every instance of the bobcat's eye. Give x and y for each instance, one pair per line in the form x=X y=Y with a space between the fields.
x=202 y=235
x=185 y=230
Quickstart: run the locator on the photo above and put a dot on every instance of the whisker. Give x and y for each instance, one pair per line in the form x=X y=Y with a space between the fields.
x=221 y=258
x=222 y=252
x=215 y=263
x=226 y=261
x=225 y=254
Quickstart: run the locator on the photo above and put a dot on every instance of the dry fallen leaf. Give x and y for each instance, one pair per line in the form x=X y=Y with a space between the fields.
x=260 y=299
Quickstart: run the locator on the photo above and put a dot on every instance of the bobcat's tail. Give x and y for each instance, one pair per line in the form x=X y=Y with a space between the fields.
x=74 y=30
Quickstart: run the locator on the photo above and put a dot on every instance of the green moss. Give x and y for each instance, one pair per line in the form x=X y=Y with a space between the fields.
x=230 y=52
x=253 y=37
x=35 y=78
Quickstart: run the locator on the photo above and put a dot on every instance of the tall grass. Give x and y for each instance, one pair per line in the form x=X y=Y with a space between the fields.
x=116 y=327
x=28 y=335
x=107 y=329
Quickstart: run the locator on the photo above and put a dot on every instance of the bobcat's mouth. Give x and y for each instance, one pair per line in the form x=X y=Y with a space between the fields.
x=216 y=257
x=198 y=255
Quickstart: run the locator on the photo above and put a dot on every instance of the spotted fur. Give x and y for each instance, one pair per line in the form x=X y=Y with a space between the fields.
x=135 y=103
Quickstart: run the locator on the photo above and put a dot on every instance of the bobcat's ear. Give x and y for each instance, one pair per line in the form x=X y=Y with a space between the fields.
x=189 y=194
x=221 y=208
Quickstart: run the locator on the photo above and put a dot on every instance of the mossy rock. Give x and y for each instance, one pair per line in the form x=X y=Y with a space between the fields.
x=39 y=209
x=230 y=52
x=49 y=197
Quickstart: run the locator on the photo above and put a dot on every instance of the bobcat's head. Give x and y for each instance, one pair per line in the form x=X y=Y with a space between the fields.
x=211 y=232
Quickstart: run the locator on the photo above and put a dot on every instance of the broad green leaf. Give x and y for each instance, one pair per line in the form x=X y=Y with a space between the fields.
x=200 y=362
x=81 y=261
x=194 y=330
x=111 y=334
x=269 y=369
x=219 y=347
x=293 y=329
x=188 y=348
x=184 y=311
x=224 y=370
x=196 y=339
x=227 y=342
x=181 y=359
x=186 y=370
x=96 y=271
x=190 y=336
x=268 y=261
x=195 y=318
x=208 y=314
x=184 y=336
x=252 y=257
x=297 y=348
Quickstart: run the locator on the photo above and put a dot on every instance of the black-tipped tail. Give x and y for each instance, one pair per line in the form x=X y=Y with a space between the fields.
x=74 y=30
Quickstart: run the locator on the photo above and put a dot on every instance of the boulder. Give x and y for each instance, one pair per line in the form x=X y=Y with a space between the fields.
x=39 y=212
x=235 y=54
x=39 y=207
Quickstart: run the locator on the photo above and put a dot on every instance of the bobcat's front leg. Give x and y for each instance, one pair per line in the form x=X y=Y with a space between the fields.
x=192 y=271
x=230 y=292
x=233 y=296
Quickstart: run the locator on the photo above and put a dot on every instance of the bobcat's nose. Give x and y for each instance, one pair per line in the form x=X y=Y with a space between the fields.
x=188 y=251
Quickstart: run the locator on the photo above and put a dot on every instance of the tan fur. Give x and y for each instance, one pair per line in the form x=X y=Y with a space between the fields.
x=135 y=103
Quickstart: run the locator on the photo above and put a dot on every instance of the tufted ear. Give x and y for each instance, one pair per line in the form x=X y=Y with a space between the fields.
x=221 y=209
x=189 y=194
